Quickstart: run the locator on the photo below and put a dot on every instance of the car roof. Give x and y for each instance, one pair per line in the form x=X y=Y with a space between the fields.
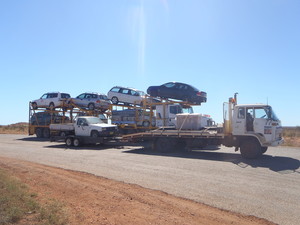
x=94 y=93
x=126 y=88
x=174 y=82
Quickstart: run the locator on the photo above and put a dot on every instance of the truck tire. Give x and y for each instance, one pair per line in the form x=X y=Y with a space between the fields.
x=69 y=141
x=250 y=149
x=94 y=134
x=146 y=123
x=39 y=132
x=115 y=100
x=76 y=142
x=164 y=144
x=46 y=132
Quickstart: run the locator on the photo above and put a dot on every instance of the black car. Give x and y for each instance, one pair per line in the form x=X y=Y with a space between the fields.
x=178 y=91
x=45 y=118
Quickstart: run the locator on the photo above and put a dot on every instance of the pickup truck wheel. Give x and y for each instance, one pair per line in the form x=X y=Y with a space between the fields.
x=115 y=100
x=91 y=106
x=46 y=132
x=69 y=141
x=76 y=142
x=251 y=149
x=39 y=132
x=95 y=134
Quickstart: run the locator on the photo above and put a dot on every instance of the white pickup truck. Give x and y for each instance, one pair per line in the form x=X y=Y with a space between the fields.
x=85 y=130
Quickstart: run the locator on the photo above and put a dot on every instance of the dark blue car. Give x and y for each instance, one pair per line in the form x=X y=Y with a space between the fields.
x=179 y=91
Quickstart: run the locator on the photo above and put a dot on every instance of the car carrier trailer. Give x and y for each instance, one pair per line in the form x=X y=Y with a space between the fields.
x=249 y=128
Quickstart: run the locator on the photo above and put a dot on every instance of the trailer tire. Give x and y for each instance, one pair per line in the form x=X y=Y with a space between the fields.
x=250 y=149
x=39 y=132
x=46 y=132
x=69 y=141
x=76 y=142
x=164 y=145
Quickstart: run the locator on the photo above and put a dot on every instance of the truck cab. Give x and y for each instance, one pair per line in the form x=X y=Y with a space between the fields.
x=257 y=119
x=166 y=113
x=94 y=127
x=251 y=128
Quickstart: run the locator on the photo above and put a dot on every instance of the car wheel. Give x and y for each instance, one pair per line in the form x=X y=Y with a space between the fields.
x=115 y=100
x=51 y=105
x=34 y=105
x=91 y=106
x=63 y=134
x=146 y=123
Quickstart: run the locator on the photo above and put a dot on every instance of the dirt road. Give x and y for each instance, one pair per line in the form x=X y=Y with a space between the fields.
x=267 y=187
x=95 y=200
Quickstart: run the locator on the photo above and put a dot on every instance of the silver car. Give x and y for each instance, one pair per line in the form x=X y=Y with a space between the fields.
x=91 y=101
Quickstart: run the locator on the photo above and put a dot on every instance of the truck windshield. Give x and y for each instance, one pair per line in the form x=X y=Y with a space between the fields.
x=271 y=113
x=188 y=110
x=94 y=120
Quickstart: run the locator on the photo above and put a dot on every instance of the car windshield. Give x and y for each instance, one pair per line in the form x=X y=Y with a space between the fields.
x=142 y=93
x=94 y=120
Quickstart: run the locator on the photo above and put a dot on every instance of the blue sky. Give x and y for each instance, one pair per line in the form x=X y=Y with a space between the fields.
x=247 y=46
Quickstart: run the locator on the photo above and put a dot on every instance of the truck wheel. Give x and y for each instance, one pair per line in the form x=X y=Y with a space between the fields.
x=69 y=141
x=39 y=132
x=76 y=142
x=115 y=100
x=91 y=106
x=264 y=149
x=94 y=134
x=164 y=145
x=46 y=132
x=250 y=149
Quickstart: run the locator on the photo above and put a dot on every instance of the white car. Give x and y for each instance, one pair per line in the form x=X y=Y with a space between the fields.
x=50 y=100
x=126 y=95
x=91 y=100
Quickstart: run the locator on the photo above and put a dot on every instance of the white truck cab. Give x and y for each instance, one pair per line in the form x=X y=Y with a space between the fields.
x=93 y=126
x=259 y=120
x=251 y=127
x=166 y=114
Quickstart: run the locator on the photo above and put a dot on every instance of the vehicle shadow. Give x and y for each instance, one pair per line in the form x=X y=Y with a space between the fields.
x=34 y=139
x=279 y=164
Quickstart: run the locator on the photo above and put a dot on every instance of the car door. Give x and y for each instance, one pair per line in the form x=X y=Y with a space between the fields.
x=167 y=90
x=80 y=100
x=43 y=101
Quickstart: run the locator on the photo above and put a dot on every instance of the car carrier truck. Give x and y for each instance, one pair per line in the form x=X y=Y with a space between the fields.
x=249 y=128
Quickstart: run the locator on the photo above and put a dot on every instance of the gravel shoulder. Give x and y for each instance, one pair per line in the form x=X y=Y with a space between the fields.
x=91 y=199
